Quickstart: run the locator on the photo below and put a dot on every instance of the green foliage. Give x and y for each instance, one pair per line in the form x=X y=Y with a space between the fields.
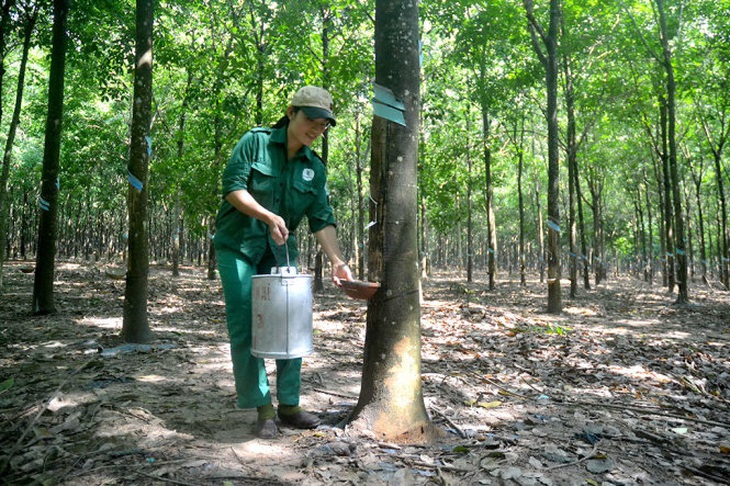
x=215 y=61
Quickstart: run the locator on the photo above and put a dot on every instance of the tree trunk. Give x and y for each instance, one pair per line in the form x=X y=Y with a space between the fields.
x=217 y=142
x=571 y=150
x=425 y=264
x=30 y=21
x=489 y=190
x=360 y=211
x=668 y=223
x=582 y=233
x=724 y=237
x=212 y=255
x=135 y=327
x=540 y=232
x=43 y=302
x=549 y=59
x=391 y=398
x=7 y=5
x=469 y=206
x=595 y=186
x=521 y=199
x=650 y=252
x=680 y=242
x=690 y=238
x=177 y=208
x=4 y=206
x=644 y=248
x=319 y=258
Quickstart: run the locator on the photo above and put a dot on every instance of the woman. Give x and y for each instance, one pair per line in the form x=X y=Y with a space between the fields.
x=271 y=182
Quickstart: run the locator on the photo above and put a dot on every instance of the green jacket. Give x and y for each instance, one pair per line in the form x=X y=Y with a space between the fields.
x=292 y=190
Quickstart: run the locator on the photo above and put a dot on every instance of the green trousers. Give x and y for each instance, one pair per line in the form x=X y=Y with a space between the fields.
x=249 y=372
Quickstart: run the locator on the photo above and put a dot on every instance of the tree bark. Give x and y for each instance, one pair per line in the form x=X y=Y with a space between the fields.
x=540 y=232
x=360 y=244
x=177 y=220
x=43 y=302
x=546 y=47
x=668 y=224
x=716 y=147
x=724 y=237
x=680 y=242
x=7 y=5
x=469 y=207
x=391 y=398
x=29 y=27
x=571 y=150
x=521 y=199
x=489 y=196
x=135 y=327
x=582 y=232
x=650 y=237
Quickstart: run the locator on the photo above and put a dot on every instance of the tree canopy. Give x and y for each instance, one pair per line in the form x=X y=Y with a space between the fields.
x=222 y=67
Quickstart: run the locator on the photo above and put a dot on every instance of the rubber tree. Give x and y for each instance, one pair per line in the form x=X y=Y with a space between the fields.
x=671 y=87
x=391 y=398
x=29 y=22
x=545 y=43
x=135 y=326
x=43 y=302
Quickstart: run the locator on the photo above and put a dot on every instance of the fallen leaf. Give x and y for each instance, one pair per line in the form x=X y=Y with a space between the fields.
x=7 y=384
x=489 y=405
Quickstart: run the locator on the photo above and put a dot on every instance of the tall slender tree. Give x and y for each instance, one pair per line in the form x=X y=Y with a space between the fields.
x=5 y=7
x=30 y=17
x=680 y=242
x=135 y=326
x=545 y=43
x=43 y=302
x=391 y=397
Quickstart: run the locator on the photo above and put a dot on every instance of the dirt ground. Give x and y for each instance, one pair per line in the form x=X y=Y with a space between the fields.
x=623 y=388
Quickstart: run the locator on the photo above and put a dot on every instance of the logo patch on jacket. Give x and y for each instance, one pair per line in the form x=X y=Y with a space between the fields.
x=308 y=174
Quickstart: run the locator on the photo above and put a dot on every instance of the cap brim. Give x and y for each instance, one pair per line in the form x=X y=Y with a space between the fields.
x=315 y=113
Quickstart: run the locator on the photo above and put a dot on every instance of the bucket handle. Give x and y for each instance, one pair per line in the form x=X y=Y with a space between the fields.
x=278 y=263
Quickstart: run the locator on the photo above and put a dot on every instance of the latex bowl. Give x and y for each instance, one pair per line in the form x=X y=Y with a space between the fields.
x=357 y=289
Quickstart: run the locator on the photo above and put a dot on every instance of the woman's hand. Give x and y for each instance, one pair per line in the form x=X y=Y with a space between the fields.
x=340 y=272
x=245 y=202
x=278 y=229
x=327 y=237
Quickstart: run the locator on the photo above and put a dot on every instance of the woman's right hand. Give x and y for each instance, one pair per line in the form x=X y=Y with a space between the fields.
x=279 y=231
x=245 y=202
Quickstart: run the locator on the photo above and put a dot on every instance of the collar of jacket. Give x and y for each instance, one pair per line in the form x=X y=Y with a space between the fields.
x=278 y=136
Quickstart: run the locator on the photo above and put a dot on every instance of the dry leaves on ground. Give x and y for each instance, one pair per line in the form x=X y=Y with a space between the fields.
x=622 y=388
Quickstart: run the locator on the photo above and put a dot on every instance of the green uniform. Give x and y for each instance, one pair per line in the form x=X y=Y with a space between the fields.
x=291 y=189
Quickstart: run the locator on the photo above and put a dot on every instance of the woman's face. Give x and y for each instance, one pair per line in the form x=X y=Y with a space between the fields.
x=304 y=130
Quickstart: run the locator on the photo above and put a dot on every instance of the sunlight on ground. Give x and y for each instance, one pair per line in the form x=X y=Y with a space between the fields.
x=152 y=378
x=168 y=310
x=69 y=266
x=579 y=311
x=268 y=449
x=117 y=322
x=176 y=330
x=678 y=335
x=631 y=326
x=626 y=328
x=54 y=344
x=102 y=322
x=639 y=372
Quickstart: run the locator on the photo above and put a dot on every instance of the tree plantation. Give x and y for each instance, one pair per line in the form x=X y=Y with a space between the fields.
x=535 y=191
x=570 y=139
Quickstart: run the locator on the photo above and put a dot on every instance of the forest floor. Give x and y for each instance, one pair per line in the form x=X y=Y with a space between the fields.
x=622 y=388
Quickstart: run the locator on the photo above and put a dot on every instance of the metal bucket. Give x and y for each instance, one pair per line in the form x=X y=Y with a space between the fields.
x=282 y=314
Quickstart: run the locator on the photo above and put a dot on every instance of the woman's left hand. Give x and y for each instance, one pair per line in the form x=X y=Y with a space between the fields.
x=341 y=272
